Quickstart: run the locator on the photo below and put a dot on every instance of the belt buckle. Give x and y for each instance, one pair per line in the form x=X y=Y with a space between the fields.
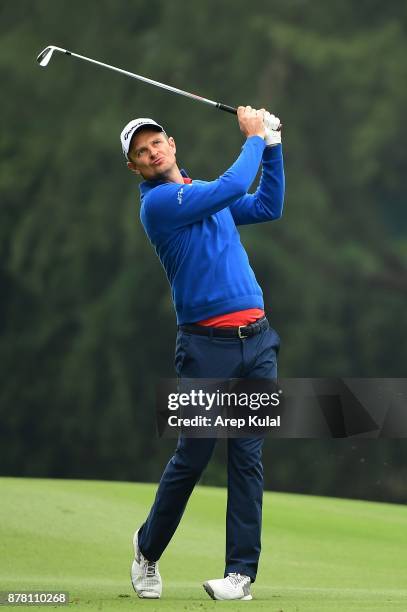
x=239 y=333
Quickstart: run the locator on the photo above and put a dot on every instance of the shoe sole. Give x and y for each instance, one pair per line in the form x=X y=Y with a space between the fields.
x=209 y=590
x=211 y=594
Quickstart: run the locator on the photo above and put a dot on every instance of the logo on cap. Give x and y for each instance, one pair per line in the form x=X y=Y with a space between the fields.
x=127 y=133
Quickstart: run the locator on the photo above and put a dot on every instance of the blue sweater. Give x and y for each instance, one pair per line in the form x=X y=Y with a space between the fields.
x=193 y=230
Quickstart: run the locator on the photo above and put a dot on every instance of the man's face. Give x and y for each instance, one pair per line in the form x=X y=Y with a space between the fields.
x=152 y=155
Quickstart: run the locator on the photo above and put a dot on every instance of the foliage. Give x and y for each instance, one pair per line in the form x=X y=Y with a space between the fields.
x=87 y=325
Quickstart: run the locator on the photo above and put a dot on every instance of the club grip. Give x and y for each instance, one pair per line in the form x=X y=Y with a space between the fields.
x=228 y=109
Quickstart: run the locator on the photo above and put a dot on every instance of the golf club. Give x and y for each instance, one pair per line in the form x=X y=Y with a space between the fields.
x=45 y=56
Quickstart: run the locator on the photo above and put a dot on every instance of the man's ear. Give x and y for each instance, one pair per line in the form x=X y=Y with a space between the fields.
x=171 y=142
x=131 y=166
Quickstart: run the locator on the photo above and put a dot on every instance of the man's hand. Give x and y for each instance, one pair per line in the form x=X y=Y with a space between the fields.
x=251 y=121
x=273 y=133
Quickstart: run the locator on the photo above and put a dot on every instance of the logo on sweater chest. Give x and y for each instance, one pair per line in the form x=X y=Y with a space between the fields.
x=180 y=195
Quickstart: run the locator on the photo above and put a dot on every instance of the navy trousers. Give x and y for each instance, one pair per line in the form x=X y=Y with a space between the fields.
x=213 y=357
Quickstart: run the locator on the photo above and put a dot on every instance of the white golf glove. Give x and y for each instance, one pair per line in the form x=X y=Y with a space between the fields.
x=272 y=136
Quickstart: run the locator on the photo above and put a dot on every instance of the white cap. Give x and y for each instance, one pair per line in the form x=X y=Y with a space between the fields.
x=134 y=126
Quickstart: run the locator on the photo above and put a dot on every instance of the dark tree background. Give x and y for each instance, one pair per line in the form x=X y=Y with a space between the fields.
x=79 y=281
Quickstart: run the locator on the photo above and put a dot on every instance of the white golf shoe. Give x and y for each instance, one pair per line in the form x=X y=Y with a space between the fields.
x=234 y=586
x=145 y=577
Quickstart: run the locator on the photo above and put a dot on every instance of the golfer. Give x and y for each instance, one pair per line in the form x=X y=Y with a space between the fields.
x=222 y=328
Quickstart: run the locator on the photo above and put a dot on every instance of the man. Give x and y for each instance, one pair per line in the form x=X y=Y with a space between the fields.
x=222 y=329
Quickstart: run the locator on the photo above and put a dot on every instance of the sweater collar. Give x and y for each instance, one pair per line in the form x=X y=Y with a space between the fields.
x=146 y=186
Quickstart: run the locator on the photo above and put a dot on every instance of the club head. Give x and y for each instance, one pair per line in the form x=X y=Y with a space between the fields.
x=45 y=56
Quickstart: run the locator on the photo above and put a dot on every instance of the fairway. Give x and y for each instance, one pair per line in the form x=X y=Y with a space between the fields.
x=319 y=554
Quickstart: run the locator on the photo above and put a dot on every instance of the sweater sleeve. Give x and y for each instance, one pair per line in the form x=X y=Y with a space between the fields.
x=172 y=205
x=266 y=203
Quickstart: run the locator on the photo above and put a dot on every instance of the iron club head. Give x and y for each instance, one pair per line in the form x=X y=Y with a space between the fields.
x=45 y=56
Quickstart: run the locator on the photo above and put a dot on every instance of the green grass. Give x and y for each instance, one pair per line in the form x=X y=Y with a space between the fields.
x=319 y=554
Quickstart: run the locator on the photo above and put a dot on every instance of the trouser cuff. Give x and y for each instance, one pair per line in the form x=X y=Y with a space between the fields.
x=240 y=569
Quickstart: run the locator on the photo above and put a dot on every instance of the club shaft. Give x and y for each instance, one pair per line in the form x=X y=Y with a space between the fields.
x=224 y=107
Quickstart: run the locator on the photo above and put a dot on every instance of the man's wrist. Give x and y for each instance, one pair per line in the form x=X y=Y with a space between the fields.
x=272 y=153
x=255 y=136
